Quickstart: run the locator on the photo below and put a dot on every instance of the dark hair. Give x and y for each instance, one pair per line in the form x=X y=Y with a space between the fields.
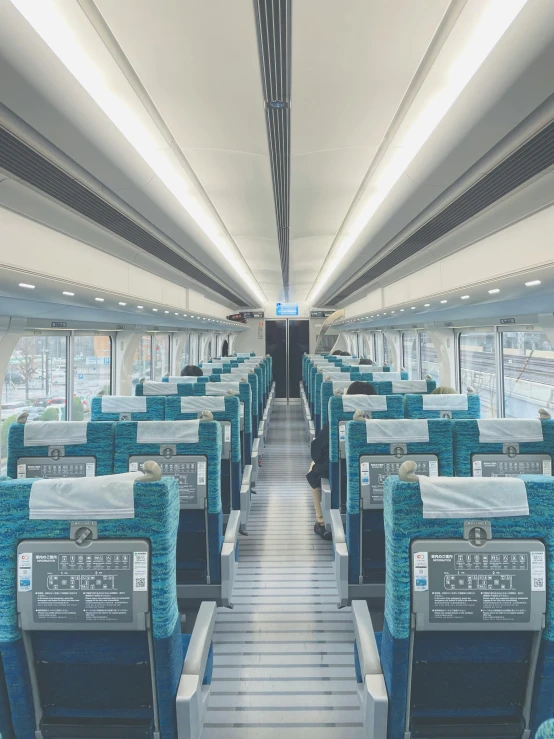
x=346 y=354
x=361 y=388
x=337 y=353
x=367 y=361
x=191 y=370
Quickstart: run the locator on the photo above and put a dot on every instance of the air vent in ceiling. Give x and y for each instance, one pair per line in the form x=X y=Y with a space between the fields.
x=22 y=161
x=532 y=158
x=273 y=24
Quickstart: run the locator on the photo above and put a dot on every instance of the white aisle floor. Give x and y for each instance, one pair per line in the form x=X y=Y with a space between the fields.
x=284 y=656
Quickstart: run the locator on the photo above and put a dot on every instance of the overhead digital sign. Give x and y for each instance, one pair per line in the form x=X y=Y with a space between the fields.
x=286 y=309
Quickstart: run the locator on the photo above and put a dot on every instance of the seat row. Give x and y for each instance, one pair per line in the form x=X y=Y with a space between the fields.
x=364 y=453
x=90 y=632
x=467 y=644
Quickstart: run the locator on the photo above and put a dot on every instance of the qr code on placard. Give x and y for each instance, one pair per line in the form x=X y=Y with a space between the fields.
x=538 y=582
x=140 y=582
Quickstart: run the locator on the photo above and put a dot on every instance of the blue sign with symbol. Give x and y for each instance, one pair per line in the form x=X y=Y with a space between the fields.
x=80 y=376
x=287 y=309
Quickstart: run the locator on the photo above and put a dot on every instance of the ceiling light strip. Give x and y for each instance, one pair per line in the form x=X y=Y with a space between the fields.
x=529 y=160
x=273 y=19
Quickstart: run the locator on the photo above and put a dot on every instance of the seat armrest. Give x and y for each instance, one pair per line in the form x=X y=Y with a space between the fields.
x=311 y=431
x=232 y=530
x=372 y=692
x=192 y=695
x=326 y=501
x=245 y=489
x=255 y=457
x=229 y=557
x=341 y=556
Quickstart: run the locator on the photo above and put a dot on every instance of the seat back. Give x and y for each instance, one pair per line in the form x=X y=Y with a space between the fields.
x=225 y=410
x=503 y=447
x=127 y=408
x=189 y=451
x=375 y=449
x=442 y=406
x=341 y=410
x=372 y=375
x=168 y=388
x=109 y=667
x=470 y=648
x=330 y=388
x=60 y=449
x=235 y=382
x=403 y=387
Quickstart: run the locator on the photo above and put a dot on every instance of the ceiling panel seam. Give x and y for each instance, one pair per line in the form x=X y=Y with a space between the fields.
x=273 y=24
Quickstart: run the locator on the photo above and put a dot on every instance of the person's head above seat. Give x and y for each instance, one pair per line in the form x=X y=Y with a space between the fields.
x=336 y=353
x=191 y=370
x=361 y=388
x=444 y=390
x=366 y=361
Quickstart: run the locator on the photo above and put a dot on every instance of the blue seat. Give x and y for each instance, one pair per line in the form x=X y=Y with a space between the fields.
x=545 y=730
x=49 y=448
x=223 y=408
x=472 y=678
x=442 y=406
x=194 y=458
x=328 y=390
x=245 y=392
x=321 y=376
x=372 y=375
x=238 y=375
x=503 y=447
x=90 y=677
x=388 y=443
x=341 y=410
x=127 y=408
x=403 y=387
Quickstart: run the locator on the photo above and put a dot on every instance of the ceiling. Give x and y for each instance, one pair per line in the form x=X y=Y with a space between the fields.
x=191 y=69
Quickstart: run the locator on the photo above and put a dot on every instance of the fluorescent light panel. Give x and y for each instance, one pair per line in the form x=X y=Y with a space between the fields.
x=532 y=283
x=26 y=285
x=495 y=18
x=65 y=33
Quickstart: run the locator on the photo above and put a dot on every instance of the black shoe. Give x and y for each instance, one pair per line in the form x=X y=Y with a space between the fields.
x=321 y=531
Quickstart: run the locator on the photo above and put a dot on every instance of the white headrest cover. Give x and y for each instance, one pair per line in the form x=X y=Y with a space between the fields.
x=364 y=402
x=408 y=386
x=397 y=430
x=55 y=433
x=203 y=403
x=473 y=497
x=84 y=498
x=213 y=365
x=505 y=430
x=123 y=404
x=220 y=388
x=168 y=432
x=180 y=380
x=387 y=376
x=444 y=402
x=159 y=388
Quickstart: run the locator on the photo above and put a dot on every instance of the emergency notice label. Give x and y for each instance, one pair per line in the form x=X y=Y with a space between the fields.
x=481 y=588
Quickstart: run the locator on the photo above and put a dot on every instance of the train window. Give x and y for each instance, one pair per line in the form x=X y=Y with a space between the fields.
x=429 y=359
x=478 y=369
x=161 y=355
x=387 y=352
x=185 y=353
x=35 y=381
x=528 y=362
x=409 y=354
x=194 y=356
x=91 y=372
x=142 y=363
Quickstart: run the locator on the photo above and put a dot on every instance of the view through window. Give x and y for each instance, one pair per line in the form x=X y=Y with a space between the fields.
x=478 y=369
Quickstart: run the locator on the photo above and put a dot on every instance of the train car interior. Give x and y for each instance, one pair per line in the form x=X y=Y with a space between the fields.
x=276 y=369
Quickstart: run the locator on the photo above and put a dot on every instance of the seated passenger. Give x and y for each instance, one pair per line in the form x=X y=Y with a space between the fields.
x=444 y=390
x=191 y=370
x=320 y=455
x=337 y=353
x=366 y=361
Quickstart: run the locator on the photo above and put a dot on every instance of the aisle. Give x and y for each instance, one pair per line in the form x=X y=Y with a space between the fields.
x=283 y=657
